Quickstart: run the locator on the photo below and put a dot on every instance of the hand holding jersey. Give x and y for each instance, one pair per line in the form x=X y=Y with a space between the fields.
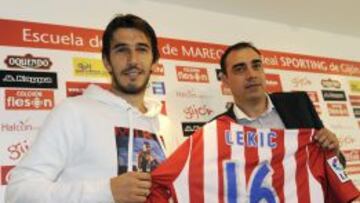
x=131 y=187
x=327 y=139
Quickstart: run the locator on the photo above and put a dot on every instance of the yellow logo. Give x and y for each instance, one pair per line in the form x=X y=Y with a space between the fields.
x=89 y=67
x=355 y=85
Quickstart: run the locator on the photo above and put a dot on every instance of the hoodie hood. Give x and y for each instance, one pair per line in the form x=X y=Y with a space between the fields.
x=95 y=92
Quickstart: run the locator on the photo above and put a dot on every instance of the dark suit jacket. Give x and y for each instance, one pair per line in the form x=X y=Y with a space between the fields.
x=296 y=110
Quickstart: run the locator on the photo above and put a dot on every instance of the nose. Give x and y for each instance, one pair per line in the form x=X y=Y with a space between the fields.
x=133 y=58
x=250 y=73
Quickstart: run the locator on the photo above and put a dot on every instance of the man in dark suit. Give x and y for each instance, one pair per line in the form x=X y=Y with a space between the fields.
x=243 y=73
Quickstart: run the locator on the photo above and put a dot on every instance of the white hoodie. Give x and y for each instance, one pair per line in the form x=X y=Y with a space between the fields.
x=75 y=153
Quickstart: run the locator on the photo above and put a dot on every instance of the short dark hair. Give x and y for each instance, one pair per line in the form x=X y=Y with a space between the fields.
x=235 y=47
x=129 y=21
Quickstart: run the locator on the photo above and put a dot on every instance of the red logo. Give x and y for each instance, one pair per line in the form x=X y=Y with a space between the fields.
x=191 y=74
x=351 y=155
x=354 y=100
x=317 y=109
x=196 y=112
x=345 y=141
x=158 y=70
x=337 y=109
x=18 y=149
x=29 y=99
x=163 y=108
x=300 y=81
x=330 y=83
x=77 y=88
x=225 y=90
x=5 y=174
x=190 y=93
x=313 y=96
x=19 y=126
x=28 y=61
x=273 y=83
x=352 y=169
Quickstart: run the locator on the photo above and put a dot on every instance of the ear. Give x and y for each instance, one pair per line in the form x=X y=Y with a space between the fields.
x=224 y=79
x=107 y=64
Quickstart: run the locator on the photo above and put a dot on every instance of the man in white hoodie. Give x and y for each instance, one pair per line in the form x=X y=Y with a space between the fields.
x=88 y=147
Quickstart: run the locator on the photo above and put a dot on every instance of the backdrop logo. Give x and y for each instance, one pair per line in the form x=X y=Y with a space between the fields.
x=273 y=83
x=88 y=67
x=354 y=85
x=314 y=100
x=77 y=88
x=190 y=93
x=28 y=62
x=313 y=96
x=300 y=81
x=27 y=79
x=191 y=74
x=346 y=140
x=317 y=109
x=5 y=174
x=354 y=100
x=218 y=72
x=197 y=112
x=352 y=155
x=330 y=83
x=19 y=126
x=18 y=149
x=163 y=108
x=357 y=112
x=340 y=125
x=158 y=87
x=190 y=127
x=158 y=70
x=337 y=109
x=225 y=90
x=29 y=99
x=333 y=95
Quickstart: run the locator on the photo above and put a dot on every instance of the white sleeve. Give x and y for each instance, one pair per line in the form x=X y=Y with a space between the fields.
x=35 y=178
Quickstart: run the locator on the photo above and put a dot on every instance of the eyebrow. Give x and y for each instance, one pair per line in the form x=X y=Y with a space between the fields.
x=256 y=61
x=238 y=64
x=120 y=44
x=242 y=64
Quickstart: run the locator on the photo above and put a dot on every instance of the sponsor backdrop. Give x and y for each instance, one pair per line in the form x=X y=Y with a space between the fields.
x=43 y=61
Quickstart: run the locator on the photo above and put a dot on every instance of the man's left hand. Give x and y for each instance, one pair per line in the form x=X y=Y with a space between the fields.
x=327 y=139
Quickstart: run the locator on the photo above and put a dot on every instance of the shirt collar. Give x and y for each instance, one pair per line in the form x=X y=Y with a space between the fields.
x=239 y=114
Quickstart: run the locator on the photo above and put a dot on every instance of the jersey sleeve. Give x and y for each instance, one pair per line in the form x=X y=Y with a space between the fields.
x=165 y=174
x=341 y=188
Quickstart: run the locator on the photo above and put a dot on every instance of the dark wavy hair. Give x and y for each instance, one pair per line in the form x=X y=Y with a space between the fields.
x=235 y=47
x=129 y=21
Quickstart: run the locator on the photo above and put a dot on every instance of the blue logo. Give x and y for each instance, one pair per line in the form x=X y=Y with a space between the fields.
x=158 y=87
x=337 y=165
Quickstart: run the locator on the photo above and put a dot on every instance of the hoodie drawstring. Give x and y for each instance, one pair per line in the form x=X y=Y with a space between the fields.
x=156 y=131
x=131 y=141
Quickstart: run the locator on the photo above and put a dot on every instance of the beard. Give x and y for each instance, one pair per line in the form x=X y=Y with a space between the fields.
x=130 y=88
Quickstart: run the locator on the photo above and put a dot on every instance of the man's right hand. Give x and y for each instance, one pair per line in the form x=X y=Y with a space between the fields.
x=131 y=187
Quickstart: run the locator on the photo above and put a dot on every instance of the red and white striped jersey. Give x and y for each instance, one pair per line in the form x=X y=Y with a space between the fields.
x=228 y=163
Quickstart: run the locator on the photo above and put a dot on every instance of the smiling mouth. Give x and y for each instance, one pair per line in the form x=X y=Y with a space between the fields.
x=252 y=86
x=134 y=72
